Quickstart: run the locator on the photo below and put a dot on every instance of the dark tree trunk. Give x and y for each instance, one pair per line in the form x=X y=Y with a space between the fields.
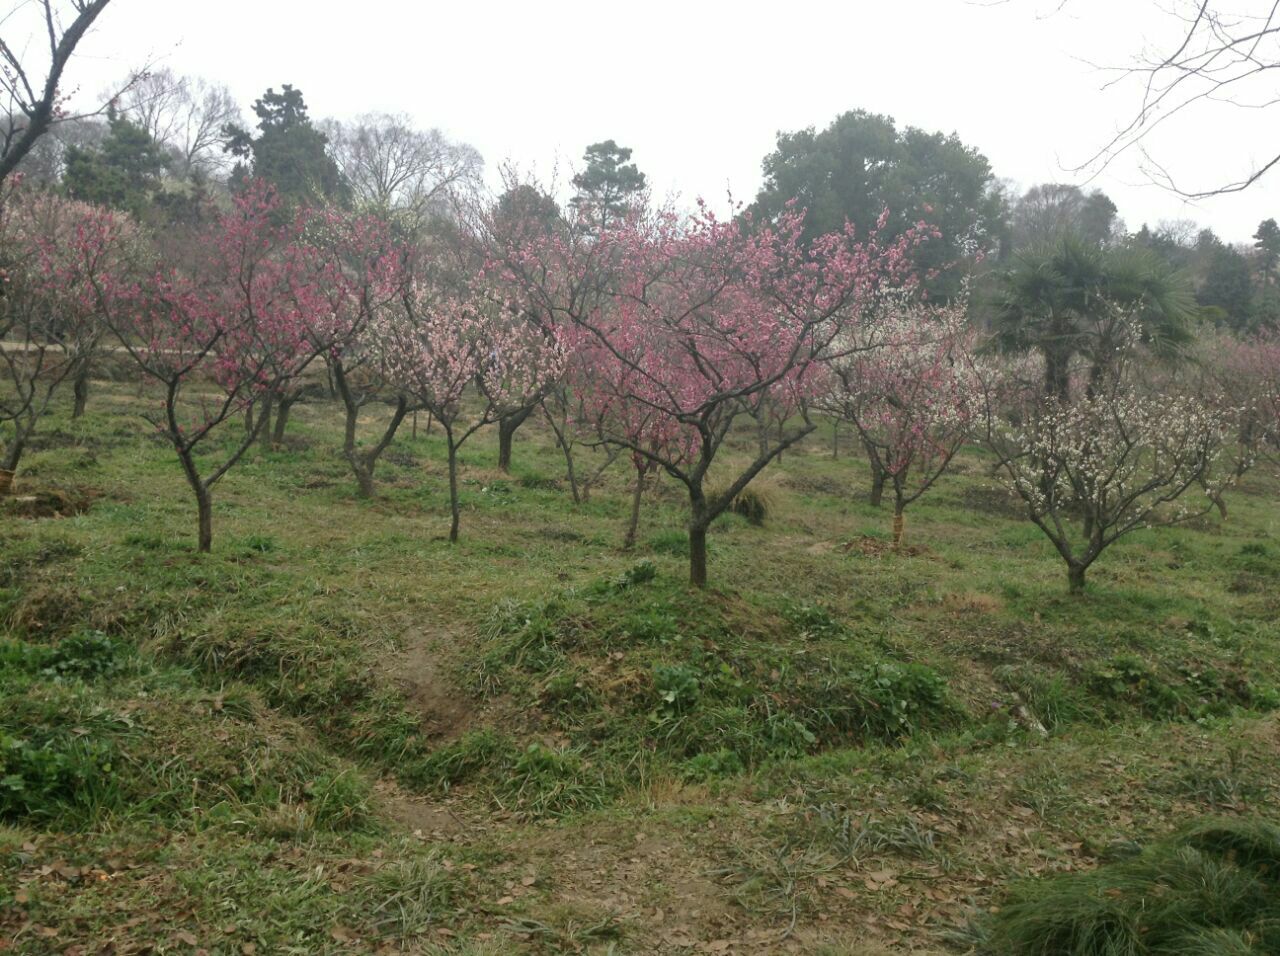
x=1221 y=504
x=1057 y=375
x=877 y=485
x=362 y=463
x=454 y=509
x=637 y=493
x=282 y=420
x=9 y=466
x=204 y=499
x=264 y=433
x=204 y=506
x=570 y=472
x=507 y=426
x=364 y=477
x=835 y=441
x=1075 y=578
x=899 y=524
x=80 y=391
x=700 y=518
x=698 y=556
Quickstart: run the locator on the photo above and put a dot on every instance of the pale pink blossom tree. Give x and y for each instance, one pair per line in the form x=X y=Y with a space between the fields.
x=908 y=384
x=347 y=269
x=443 y=347
x=1242 y=376
x=54 y=252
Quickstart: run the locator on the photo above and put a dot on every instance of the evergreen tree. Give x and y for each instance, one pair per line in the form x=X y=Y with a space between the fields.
x=608 y=186
x=1268 y=246
x=123 y=173
x=1228 y=285
x=288 y=152
x=862 y=165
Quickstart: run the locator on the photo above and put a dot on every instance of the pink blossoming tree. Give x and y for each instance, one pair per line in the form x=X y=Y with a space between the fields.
x=466 y=364
x=54 y=253
x=346 y=271
x=215 y=333
x=703 y=321
x=908 y=385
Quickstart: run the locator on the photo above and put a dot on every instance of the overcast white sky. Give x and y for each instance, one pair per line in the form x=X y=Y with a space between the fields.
x=699 y=89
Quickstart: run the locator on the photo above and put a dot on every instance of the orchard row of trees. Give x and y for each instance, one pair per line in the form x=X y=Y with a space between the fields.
x=655 y=334
x=169 y=145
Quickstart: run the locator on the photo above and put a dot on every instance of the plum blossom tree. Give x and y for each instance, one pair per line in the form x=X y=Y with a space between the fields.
x=442 y=345
x=1115 y=460
x=347 y=269
x=909 y=387
x=215 y=332
x=53 y=253
x=704 y=321
x=1242 y=376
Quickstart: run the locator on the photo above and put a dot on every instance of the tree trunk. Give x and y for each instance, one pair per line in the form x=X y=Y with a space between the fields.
x=835 y=441
x=264 y=435
x=204 y=499
x=80 y=390
x=454 y=510
x=1221 y=504
x=899 y=525
x=698 y=556
x=9 y=464
x=637 y=493
x=877 y=485
x=507 y=426
x=1057 y=375
x=571 y=473
x=282 y=420
x=204 y=505
x=1075 y=578
x=364 y=476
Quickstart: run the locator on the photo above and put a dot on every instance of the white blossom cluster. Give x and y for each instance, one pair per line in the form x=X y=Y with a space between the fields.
x=1095 y=469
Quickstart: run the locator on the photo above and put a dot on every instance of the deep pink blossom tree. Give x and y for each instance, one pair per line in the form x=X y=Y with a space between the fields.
x=346 y=270
x=703 y=321
x=909 y=387
x=216 y=332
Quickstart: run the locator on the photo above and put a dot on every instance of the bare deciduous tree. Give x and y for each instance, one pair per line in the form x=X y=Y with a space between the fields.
x=30 y=82
x=391 y=166
x=1222 y=54
x=186 y=116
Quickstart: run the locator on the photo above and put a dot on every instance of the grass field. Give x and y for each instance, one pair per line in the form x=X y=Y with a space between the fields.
x=339 y=733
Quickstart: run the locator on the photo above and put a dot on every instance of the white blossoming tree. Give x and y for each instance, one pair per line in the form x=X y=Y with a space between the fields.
x=1091 y=471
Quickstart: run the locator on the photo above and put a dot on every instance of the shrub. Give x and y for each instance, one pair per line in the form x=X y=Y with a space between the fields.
x=1213 y=889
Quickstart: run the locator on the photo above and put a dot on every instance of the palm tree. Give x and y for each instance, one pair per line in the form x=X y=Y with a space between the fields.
x=1074 y=298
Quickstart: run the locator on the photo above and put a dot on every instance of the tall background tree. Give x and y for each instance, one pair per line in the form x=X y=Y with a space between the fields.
x=609 y=185
x=187 y=116
x=863 y=164
x=288 y=151
x=124 y=172
x=1051 y=210
x=396 y=170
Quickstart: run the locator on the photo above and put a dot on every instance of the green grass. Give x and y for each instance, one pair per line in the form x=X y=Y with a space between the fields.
x=337 y=732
